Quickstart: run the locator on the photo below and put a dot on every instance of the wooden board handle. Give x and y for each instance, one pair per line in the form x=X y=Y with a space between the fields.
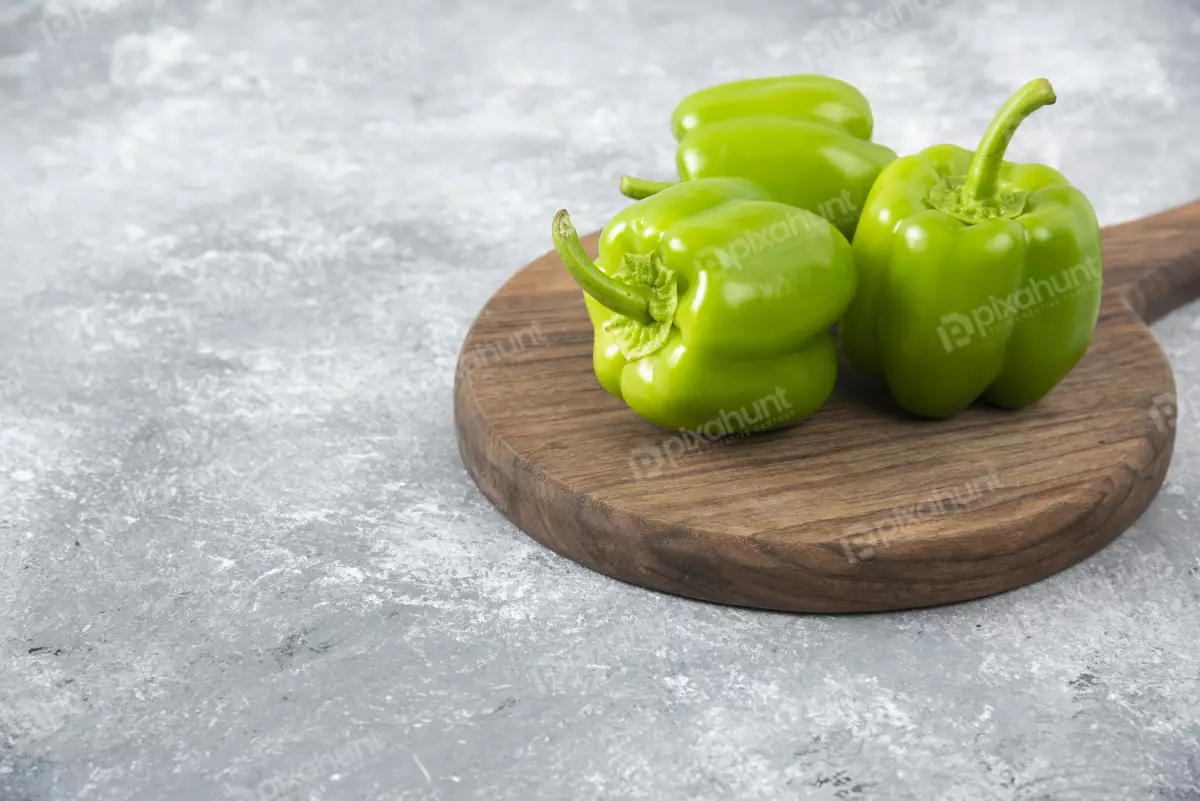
x=1154 y=263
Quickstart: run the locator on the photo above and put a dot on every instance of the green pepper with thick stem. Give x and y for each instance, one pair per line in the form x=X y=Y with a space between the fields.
x=712 y=306
x=805 y=139
x=977 y=277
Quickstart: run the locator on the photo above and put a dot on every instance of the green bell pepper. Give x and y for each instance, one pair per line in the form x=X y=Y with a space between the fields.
x=805 y=139
x=977 y=277
x=712 y=306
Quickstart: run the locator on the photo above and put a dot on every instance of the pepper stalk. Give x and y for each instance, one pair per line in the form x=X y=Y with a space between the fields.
x=625 y=299
x=979 y=197
x=642 y=292
x=639 y=188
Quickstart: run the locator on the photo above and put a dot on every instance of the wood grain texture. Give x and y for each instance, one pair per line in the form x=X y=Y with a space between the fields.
x=860 y=508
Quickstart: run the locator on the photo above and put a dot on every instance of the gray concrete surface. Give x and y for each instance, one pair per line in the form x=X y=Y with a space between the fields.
x=240 y=244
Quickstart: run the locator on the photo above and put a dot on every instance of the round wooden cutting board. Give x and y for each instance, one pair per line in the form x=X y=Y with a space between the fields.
x=860 y=508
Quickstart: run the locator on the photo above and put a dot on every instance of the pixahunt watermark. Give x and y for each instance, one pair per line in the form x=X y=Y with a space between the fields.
x=958 y=330
x=32 y=207
x=321 y=86
x=44 y=719
x=1168 y=410
x=62 y=23
x=844 y=33
x=648 y=461
x=781 y=235
x=1164 y=411
x=511 y=348
x=1085 y=106
x=300 y=782
x=860 y=543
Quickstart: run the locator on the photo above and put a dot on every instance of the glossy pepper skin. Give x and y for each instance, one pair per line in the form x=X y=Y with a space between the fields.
x=977 y=277
x=712 y=306
x=805 y=139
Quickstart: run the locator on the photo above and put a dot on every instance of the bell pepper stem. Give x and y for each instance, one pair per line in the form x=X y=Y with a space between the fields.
x=984 y=171
x=630 y=301
x=638 y=188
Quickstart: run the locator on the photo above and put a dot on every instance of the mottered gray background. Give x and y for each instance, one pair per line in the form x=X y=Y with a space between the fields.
x=240 y=245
